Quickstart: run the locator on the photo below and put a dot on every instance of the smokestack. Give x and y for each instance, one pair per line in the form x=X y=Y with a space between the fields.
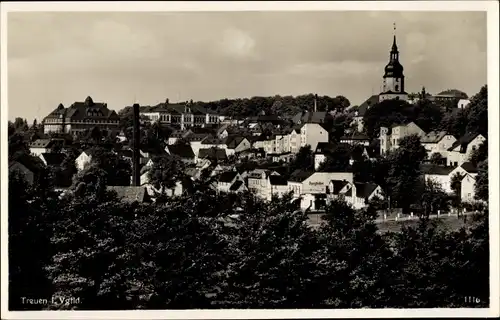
x=315 y=102
x=136 y=174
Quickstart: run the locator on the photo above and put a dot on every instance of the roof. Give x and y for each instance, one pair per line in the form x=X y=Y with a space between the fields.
x=433 y=137
x=233 y=141
x=370 y=102
x=469 y=167
x=212 y=153
x=453 y=93
x=338 y=185
x=278 y=180
x=53 y=159
x=130 y=193
x=364 y=190
x=464 y=141
x=236 y=185
x=45 y=143
x=356 y=136
x=432 y=169
x=310 y=117
x=176 y=108
x=195 y=136
x=300 y=175
x=33 y=164
x=87 y=110
x=228 y=176
x=324 y=147
x=181 y=150
x=257 y=173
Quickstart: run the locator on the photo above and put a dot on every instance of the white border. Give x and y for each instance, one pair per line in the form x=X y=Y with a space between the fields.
x=493 y=83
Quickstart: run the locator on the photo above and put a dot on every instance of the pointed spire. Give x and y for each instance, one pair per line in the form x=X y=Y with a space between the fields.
x=394 y=45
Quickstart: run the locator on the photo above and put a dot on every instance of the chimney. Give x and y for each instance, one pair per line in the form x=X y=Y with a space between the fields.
x=136 y=175
x=315 y=102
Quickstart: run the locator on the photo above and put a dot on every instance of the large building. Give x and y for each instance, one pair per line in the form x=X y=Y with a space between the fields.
x=393 y=86
x=81 y=116
x=184 y=114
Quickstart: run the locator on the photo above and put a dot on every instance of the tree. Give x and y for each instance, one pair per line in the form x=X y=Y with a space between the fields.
x=434 y=198
x=477 y=112
x=337 y=160
x=166 y=172
x=480 y=154
x=437 y=159
x=118 y=169
x=481 y=185
x=17 y=145
x=304 y=160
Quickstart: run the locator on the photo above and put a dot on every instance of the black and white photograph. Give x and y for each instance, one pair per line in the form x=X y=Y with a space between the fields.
x=211 y=156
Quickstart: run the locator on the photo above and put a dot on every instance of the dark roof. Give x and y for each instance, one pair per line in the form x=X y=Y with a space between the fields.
x=34 y=164
x=435 y=169
x=469 y=167
x=433 y=137
x=183 y=151
x=364 y=190
x=278 y=180
x=211 y=153
x=87 y=110
x=131 y=193
x=53 y=159
x=236 y=185
x=324 y=147
x=310 y=117
x=45 y=143
x=300 y=175
x=464 y=141
x=195 y=136
x=338 y=185
x=356 y=136
x=227 y=176
x=370 y=102
x=453 y=93
x=233 y=141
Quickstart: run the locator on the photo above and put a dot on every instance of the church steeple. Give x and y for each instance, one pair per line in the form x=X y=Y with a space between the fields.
x=393 y=75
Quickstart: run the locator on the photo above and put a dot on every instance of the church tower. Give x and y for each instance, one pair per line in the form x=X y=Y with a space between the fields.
x=394 y=80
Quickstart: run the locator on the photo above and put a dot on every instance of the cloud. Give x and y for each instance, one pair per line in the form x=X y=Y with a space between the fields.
x=112 y=56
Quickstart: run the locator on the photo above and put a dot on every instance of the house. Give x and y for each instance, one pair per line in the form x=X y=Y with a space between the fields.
x=439 y=174
x=131 y=193
x=390 y=137
x=121 y=137
x=356 y=139
x=83 y=159
x=284 y=157
x=450 y=95
x=238 y=186
x=278 y=186
x=320 y=153
x=335 y=187
x=227 y=179
x=463 y=103
x=195 y=140
x=27 y=166
x=467 y=188
x=259 y=183
x=40 y=146
x=437 y=142
x=317 y=117
x=223 y=131
x=361 y=111
x=319 y=181
x=52 y=159
x=185 y=152
x=183 y=114
x=358 y=194
x=177 y=135
x=295 y=182
x=464 y=169
x=311 y=134
x=461 y=150
x=81 y=117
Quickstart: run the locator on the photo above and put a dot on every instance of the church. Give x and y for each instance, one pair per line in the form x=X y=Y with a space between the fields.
x=393 y=85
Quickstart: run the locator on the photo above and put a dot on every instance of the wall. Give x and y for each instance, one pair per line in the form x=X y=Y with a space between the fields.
x=467 y=190
x=82 y=160
x=318 y=182
x=311 y=134
x=443 y=180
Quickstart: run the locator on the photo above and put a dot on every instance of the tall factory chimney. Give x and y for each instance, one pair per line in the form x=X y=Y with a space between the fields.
x=136 y=174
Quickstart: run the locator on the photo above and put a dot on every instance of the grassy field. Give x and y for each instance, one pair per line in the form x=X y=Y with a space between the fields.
x=445 y=222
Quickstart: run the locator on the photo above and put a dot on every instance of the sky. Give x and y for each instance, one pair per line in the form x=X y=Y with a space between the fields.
x=146 y=57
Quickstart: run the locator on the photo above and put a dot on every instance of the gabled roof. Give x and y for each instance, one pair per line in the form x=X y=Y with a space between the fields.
x=236 y=185
x=469 y=167
x=323 y=147
x=46 y=143
x=212 y=153
x=370 y=102
x=183 y=151
x=433 y=137
x=191 y=137
x=364 y=190
x=310 y=117
x=53 y=159
x=278 y=180
x=464 y=141
x=432 y=169
x=233 y=141
x=338 y=185
x=131 y=193
x=227 y=176
x=87 y=110
x=300 y=175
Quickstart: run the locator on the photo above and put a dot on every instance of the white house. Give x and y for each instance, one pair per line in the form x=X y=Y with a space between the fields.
x=237 y=144
x=440 y=175
x=278 y=186
x=462 y=149
x=258 y=182
x=320 y=153
x=319 y=181
x=358 y=194
x=462 y=103
x=227 y=179
x=467 y=188
x=437 y=142
x=390 y=139
x=40 y=146
x=311 y=134
x=83 y=160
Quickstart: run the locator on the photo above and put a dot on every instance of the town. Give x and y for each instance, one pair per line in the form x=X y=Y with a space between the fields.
x=262 y=202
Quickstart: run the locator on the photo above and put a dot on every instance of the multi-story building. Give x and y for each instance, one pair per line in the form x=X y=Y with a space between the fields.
x=184 y=114
x=390 y=137
x=80 y=117
x=438 y=142
x=462 y=149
